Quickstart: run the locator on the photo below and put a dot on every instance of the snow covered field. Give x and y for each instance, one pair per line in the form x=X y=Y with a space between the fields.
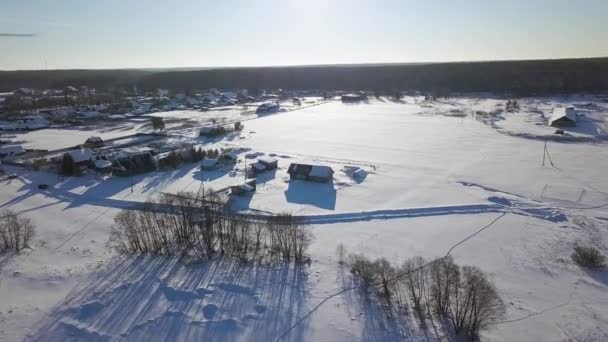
x=435 y=173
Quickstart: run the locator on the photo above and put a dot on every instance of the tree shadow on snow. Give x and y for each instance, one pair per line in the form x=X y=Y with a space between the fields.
x=156 y=298
x=385 y=320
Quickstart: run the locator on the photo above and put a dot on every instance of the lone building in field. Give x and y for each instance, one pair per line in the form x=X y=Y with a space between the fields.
x=311 y=172
x=563 y=117
x=353 y=97
x=268 y=107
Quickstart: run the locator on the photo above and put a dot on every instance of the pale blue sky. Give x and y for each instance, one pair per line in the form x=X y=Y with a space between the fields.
x=190 y=33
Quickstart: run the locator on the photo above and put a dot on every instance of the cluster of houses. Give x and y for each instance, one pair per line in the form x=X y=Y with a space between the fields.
x=144 y=153
x=73 y=104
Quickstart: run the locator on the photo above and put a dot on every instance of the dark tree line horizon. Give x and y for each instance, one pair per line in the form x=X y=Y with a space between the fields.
x=519 y=78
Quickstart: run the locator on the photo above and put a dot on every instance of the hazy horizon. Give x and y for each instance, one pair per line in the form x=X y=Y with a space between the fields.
x=69 y=34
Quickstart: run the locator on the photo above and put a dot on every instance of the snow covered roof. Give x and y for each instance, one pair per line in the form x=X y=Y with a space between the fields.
x=321 y=171
x=102 y=164
x=207 y=129
x=258 y=166
x=267 y=160
x=81 y=155
x=231 y=155
x=246 y=187
x=563 y=112
x=268 y=106
x=137 y=150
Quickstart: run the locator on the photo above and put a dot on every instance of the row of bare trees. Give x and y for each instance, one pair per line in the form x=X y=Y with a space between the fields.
x=15 y=232
x=184 y=224
x=460 y=298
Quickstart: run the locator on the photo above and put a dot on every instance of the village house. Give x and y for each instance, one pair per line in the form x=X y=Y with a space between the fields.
x=353 y=97
x=82 y=158
x=94 y=142
x=563 y=117
x=311 y=172
x=135 y=159
x=247 y=187
x=268 y=107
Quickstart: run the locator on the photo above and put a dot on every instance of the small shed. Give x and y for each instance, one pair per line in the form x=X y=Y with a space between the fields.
x=268 y=162
x=563 y=117
x=247 y=187
x=258 y=167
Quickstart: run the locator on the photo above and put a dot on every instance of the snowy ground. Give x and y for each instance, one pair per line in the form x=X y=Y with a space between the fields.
x=436 y=173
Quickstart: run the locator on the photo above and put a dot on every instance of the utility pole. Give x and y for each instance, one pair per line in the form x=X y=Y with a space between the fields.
x=131 y=164
x=245 y=170
x=544 y=151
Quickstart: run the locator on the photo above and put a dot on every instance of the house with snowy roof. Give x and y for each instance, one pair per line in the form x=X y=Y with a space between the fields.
x=311 y=172
x=563 y=117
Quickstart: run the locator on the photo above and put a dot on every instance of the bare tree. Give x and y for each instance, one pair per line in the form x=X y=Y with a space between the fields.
x=476 y=304
x=363 y=269
x=385 y=272
x=15 y=232
x=444 y=279
x=341 y=253
x=416 y=281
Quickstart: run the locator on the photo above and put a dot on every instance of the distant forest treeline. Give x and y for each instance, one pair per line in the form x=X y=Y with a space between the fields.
x=515 y=77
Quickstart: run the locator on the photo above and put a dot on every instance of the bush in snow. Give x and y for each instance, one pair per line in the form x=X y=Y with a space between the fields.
x=157 y=123
x=15 y=232
x=587 y=256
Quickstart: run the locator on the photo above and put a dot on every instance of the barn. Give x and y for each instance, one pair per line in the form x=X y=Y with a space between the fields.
x=563 y=117
x=353 y=97
x=311 y=172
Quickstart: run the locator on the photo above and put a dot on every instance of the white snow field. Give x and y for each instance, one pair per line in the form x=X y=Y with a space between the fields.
x=434 y=174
